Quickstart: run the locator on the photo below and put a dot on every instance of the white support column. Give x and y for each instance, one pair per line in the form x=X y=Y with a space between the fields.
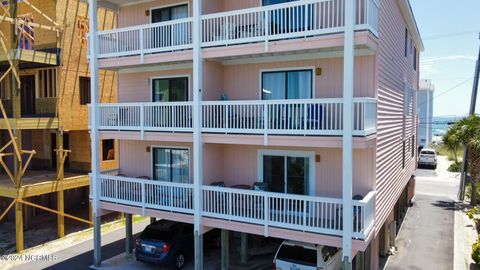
x=94 y=135
x=197 y=132
x=348 y=88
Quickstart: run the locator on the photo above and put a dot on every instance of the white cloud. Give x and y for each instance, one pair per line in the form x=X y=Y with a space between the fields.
x=428 y=65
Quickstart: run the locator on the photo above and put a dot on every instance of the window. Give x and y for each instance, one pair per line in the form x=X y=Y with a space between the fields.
x=5 y=90
x=295 y=84
x=403 y=155
x=298 y=254
x=169 y=13
x=415 y=58
x=170 y=89
x=171 y=165
x=406 y=42
x=84 y=90
x=108 y=150
x=47 y=82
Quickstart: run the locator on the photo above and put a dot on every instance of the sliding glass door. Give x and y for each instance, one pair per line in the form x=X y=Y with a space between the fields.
x=287 y=173
x=171 y=165
x=291 y=20
x=292 y=84
x=173 y=34
x=170 y=89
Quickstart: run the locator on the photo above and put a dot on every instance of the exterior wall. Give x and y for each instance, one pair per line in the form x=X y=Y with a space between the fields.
x=80 y=156
x=137 y=15
x=242 y=82
x=237 y=165
x=72 y=115
x=393 y=127
x=425 y=115
x=136 y=87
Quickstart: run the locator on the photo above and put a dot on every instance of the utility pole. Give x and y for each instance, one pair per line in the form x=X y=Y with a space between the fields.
x=473 y=103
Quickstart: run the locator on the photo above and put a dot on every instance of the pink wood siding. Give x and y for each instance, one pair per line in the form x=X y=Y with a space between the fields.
x=394 y=71
x=135 y=87
x=237 y=164
x=243 y=81
x=229 y=5
x=135 y=14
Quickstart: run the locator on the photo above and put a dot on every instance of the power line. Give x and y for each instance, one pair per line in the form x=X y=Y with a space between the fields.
x=448 y=90
x=450 y=35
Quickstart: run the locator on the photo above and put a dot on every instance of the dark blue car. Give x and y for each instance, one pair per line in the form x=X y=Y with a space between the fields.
x=169 y=243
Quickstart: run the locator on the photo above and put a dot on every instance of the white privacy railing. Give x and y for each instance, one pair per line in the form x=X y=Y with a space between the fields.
x=148 y=38
x=297 y=212
x=151 y=116
x=260 y=24
x=289 y=211
x=142 y=193
x=287 y=117
x=266 y=117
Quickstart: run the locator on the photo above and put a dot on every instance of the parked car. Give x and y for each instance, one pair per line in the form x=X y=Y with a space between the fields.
x=304 y=256
x=427 y=157
x=169 y=243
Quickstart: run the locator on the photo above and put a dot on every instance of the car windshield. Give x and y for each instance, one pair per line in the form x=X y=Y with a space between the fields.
x=427 y=152
x=298 y=254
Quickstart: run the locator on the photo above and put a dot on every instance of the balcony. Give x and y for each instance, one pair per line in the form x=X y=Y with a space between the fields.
x=318 y=215
x=264 y=24
x=319 y=117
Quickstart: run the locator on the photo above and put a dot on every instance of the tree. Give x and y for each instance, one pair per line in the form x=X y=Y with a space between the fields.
x=468 y=132
x=452 y=142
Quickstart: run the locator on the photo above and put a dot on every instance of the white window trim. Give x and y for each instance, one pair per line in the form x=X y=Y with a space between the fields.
x=285 y=153
x=172 y=147
x=286 y=69
x=170 y=5
x=188 y=76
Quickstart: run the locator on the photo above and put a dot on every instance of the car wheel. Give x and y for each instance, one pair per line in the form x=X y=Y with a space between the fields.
x=179 y=260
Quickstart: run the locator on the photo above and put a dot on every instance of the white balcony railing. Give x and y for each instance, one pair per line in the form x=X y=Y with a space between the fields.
x=272 y=117
x=261 y=24
x=288 y=211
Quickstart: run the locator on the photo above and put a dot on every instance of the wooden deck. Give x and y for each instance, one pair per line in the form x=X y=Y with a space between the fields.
x=31 y=123
x=31 y=56
x=41 y=182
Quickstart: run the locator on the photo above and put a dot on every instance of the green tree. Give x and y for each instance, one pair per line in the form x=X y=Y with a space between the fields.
x=468 y=132
x=452 y=142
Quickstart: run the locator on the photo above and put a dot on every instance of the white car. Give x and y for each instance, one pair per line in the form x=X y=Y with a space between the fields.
x=292 y=255
x=427 y=157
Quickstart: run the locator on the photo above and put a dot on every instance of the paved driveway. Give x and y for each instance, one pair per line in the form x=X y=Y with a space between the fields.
x=425 y=240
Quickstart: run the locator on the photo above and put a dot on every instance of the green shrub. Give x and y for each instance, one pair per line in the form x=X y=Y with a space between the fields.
x=455 y=167
x=476 y=252
x=472 y=212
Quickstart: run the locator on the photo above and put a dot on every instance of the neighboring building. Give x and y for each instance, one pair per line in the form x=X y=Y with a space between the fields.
x=256 y=102
x=425 y=112
x=48 y=110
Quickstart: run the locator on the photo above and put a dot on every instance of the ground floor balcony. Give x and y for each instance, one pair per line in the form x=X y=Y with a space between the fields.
x=314 y=117
x=232 y=206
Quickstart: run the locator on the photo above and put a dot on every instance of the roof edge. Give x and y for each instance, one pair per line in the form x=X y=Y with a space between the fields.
x=407 y=13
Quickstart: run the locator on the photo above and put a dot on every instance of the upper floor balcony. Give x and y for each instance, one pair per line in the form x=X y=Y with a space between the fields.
x=316 y=117
x=264 y=25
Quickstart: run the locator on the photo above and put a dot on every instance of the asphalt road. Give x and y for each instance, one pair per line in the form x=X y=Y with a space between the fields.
x=425 y=240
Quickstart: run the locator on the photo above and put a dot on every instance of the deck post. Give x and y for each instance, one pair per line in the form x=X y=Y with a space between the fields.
x=243 y=248
x=197 y=133
x=19 y=226
x=348 y=84
x=225 y=252
x=60 y=193
x=128 y=233
x=94 y=134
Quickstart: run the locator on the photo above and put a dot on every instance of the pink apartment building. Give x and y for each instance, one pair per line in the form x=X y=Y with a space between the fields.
x=231 y=115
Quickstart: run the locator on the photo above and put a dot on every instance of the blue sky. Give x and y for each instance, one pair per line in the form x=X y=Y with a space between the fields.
x=450 y=31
